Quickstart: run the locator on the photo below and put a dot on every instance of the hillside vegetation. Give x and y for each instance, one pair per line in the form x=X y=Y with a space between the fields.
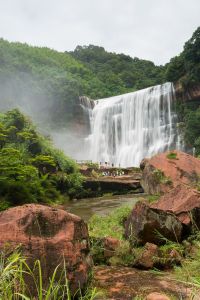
x=184 y=69
x=31 y=169
x=120 y=73
x=47 y=83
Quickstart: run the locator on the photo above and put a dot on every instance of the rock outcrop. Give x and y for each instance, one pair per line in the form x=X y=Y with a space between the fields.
x=191 y=94
x=50 y=235
x=167 y=170
x=146 y=224
x=181 y=201
x=108 y=185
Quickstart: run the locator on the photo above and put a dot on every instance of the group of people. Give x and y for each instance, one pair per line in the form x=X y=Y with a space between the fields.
x=113 y=174
x=106 y=165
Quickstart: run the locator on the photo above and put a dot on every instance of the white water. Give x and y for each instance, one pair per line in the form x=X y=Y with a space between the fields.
x=127 y=128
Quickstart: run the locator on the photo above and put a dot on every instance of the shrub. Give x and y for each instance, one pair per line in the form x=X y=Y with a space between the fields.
x=159 y=177
x=45 y=163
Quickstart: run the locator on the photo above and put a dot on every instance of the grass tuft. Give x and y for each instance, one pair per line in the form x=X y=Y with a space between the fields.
x=172 y=155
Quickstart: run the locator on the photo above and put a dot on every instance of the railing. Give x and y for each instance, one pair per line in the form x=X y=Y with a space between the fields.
x=81 y=162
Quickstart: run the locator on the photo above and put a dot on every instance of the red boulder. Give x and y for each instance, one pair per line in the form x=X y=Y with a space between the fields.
x=147 y=224
x=167 y=170
x=180 y=201
x=50 y=235
x=146 y=258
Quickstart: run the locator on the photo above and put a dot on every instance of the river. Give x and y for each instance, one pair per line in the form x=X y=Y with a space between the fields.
x=86 y=208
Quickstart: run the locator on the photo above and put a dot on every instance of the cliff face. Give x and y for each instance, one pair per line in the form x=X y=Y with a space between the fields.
x=191 y=94
x=82 y=112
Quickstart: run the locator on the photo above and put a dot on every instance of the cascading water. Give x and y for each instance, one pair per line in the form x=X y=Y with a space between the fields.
x=129 y=127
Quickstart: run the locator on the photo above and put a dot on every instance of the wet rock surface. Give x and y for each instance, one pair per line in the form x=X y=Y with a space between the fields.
x=50 y=235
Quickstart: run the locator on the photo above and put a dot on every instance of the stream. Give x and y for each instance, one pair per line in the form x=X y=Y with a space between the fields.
x=86 y=208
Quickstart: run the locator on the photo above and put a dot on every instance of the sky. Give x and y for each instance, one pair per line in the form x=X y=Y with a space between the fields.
x=150 y=29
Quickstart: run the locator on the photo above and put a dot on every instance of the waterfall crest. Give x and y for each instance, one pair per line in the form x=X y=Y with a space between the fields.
x=129 y=127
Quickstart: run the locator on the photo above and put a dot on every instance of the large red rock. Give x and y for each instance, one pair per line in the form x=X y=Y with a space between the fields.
x=51 y=235
x=161 y=173
x=180 y=201
x=147 y=224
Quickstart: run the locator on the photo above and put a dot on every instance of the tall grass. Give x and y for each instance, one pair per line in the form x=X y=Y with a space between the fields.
x=13 y=270
x=11 y=276
x=189 y=271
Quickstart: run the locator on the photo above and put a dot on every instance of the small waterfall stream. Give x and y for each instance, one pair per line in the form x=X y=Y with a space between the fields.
x=129 y=127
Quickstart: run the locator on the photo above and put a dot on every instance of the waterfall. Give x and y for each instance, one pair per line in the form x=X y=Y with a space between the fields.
x=87 y=105
x=127 y=128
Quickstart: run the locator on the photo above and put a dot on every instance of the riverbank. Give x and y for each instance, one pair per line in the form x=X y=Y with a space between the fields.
x=86 y=208
x=100 y=180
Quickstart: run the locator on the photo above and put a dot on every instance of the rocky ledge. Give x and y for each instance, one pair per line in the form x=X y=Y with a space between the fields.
x=116 y=185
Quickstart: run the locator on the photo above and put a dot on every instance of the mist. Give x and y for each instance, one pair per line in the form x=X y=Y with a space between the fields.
x=35 y=99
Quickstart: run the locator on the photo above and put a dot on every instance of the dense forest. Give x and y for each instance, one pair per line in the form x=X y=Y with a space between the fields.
x=184 y=69
x=46 y=83
x=120 y=73
x=31 y=169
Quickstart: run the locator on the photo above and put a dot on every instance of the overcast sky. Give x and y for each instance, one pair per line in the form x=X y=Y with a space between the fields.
x=149 y=29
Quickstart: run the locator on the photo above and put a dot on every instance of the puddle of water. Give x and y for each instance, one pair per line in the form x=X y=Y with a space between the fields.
x=86 y=208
